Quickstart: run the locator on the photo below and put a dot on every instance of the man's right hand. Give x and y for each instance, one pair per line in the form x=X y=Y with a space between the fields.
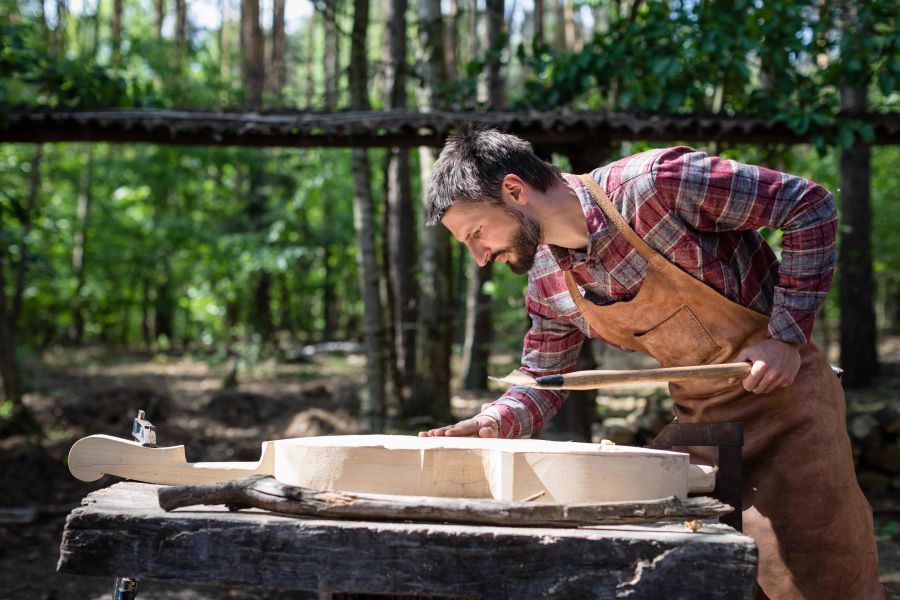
x=478 y=426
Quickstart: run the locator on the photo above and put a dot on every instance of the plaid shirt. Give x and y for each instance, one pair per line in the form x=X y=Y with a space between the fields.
x=700 y=212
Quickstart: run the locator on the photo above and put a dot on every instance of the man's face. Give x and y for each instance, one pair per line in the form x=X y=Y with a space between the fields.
x=495 y=233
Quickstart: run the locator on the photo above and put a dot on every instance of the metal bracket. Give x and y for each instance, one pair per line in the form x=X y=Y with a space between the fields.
x=144 y=431
x=729 y=438
x=125 y=589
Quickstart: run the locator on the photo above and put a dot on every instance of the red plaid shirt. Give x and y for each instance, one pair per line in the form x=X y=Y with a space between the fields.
x=700 y=212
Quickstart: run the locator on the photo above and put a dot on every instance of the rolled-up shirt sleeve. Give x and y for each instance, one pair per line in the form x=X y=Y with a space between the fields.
x=551 y=347
x=718 y=195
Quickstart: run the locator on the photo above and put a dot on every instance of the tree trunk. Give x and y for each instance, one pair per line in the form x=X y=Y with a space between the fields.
x=373 y=408
x=394 y=377
x=308 y=64
x=262 y=306
x=479 y=309
x=181 y=29
x=252 y=50
x=160 y=17
x=58 y=40
x=401 y=221
x=461 y=259
x=164 y=307
x=479 y=327
x=859 y=357
x=332 y=56
x=21 y=419
x=146 y=325
x=332 y=74
x=563 y=7
x=538 y=18
x=116 y=31
x=496 y=27
x=431 y=395
x=278 y=62
x=285 y=314
x=452 y=41
x=79 y=250
x=224 y=42
x=253 y=72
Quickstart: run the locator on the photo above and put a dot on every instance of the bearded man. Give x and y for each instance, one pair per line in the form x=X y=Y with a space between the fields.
x=660 y=253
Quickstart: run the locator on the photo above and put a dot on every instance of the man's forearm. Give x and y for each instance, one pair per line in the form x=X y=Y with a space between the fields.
x=523 y=411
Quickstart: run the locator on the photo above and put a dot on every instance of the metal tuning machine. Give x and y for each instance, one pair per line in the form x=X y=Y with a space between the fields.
x=144 y=431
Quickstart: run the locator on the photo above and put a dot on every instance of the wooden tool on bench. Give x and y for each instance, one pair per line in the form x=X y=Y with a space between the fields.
x=589 y=380
x=503 y=469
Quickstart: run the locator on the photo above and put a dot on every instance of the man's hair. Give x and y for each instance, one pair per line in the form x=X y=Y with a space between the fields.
x=472 y=166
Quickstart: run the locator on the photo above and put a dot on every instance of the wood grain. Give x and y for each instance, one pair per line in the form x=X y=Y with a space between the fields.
x=502 y=469
x=122 y=531
x=267 y=493
x=589 y=380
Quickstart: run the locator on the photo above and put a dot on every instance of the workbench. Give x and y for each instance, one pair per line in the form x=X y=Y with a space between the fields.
x=121 y=531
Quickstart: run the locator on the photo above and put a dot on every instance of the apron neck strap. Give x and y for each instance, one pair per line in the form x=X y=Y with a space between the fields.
x=616 y=219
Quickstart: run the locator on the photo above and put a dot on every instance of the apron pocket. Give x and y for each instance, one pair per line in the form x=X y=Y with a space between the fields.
x=679 y=341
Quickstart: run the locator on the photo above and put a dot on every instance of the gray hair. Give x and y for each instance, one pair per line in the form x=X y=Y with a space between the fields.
x=472 y=166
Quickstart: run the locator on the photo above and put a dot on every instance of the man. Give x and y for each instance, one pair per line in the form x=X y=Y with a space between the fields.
x=659 y=253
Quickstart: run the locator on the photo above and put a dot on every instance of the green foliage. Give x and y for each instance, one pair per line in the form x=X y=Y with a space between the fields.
x=29 y=76
x=172 y=231
x=779 y=60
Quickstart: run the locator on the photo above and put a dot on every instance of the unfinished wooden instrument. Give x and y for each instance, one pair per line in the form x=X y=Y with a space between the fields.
x=503 y=469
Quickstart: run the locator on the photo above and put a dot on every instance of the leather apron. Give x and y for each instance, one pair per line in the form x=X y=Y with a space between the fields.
x=801 y=501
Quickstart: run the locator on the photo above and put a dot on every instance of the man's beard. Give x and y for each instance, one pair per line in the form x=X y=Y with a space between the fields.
x=523 y=245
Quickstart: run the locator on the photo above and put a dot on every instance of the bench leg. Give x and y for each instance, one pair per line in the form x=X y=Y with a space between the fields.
x=124 y=589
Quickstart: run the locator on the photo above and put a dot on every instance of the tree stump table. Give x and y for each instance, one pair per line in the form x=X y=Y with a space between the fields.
x=121 y=531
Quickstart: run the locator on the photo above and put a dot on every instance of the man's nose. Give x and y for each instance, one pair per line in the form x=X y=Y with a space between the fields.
x=479 y=253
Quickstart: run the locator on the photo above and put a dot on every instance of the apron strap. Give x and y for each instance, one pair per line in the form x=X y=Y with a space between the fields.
x=603 y=201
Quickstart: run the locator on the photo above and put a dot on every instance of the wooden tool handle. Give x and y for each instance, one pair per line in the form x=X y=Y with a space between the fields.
x=701 y=478
x=589 y=380
x=93 y=457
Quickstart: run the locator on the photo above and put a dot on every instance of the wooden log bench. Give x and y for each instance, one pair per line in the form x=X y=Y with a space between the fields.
x=121 y=531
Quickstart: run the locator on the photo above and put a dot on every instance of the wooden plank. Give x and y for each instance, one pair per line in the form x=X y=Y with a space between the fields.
x=558 y=130
x=270 y=494
x=122 y=531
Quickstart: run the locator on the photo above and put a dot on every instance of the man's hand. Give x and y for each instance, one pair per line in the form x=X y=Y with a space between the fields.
x=478 y=426
x=774 y=365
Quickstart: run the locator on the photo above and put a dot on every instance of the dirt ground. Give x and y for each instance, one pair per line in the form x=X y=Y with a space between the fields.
x=83 y=392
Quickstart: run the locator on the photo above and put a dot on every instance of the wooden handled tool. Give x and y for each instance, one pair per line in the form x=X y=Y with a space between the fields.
x=589 y=380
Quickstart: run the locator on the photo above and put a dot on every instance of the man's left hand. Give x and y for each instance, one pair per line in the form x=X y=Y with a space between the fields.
x=774 y=365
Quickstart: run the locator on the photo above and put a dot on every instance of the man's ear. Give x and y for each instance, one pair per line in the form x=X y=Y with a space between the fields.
x=515 y=189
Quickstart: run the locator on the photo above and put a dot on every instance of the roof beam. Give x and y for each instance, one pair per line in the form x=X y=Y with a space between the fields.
x=406 y=128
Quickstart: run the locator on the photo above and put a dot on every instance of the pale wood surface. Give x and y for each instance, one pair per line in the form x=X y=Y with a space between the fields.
x=502 y=469
x=122 y=531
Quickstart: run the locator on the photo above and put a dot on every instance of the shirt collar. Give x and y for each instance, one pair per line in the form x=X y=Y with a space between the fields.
x=594 y=218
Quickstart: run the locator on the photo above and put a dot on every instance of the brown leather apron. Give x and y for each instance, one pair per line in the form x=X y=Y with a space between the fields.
x=801 y=502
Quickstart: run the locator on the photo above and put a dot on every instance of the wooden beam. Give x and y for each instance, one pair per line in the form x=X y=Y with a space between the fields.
x=557 y=130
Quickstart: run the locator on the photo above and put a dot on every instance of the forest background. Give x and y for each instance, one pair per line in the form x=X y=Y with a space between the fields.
x=240 y=294
x=236 y=255
x=234 y=252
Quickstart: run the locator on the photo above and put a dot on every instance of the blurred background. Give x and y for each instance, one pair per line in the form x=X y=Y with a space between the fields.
x=211 y=210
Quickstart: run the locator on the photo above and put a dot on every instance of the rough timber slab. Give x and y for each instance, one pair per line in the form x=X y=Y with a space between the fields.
x=122 y=531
